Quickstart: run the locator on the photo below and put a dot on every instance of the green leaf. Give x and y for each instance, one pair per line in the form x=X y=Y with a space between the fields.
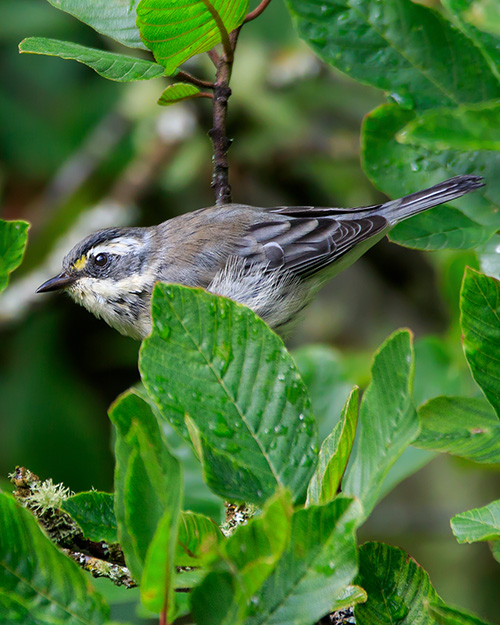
x=398 y=588
x=334 y=454
x=462 y=426
x=13 y=237
x=489 y=257
x=399 y=169
x=322 y=370
x=478 y=524
x=397 y=46
x=480 y=320
x=175 y=31
x=460 y=128
x=147 y=499
x=387 y=419
x=37 y=579
x=178 y=92
x=315 y=570
x=94 y=513
x=246 y=560
x=199 y=538
x=114 y=18
x=446 y=615
x=217 y=365
x=109 y=65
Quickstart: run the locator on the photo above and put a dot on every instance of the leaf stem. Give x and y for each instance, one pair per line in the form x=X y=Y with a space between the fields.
x=257 y=11
x=186 y=77
x=226 y=44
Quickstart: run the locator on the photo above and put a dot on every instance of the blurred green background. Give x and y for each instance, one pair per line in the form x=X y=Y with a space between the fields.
x=78 y=153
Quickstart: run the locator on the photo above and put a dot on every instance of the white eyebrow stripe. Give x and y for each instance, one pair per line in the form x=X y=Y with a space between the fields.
x=118 y=246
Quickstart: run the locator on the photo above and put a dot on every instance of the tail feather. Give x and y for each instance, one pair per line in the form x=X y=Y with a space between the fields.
x=398 y=210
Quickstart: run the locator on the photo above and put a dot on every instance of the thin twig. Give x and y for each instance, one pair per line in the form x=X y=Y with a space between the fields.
x=213 y=55
x=186 y=77
x=257 y=11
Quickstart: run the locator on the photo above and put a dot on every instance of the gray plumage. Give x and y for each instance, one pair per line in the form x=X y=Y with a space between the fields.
x=273 y=260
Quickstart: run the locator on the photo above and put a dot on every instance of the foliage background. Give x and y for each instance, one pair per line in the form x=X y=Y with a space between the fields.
x=296 y=127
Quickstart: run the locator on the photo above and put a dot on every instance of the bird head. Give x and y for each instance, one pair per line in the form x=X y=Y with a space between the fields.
x=109 y=274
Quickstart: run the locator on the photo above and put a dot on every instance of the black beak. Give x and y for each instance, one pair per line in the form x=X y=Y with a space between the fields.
x=55 y=284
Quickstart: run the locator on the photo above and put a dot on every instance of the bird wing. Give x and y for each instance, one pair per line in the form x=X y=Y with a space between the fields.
x=304 y=240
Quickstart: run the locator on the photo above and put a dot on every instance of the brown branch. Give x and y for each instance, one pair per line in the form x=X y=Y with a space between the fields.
x=185 y=77
x=220 y=142
x=214 y=56
x=257 y=11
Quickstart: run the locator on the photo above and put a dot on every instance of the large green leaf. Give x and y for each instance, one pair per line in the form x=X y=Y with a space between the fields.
x=462 y=426
x=410 y=51
x=215 y=364
x=13 y=237
x=459 y=128
x=480 y=308
x=388 y=421
x=316 y=568
x=94 y=513
x=399 y=169
x=246 y=561
x=398 y=588
x=147 y=500
x=109 y=65
x=334 y=454
x=175 y=30
x=41 y=585
x=115 y=18
x=477 y=524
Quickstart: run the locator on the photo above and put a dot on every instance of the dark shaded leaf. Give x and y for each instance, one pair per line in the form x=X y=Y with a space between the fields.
x=480 y=320
x=94 y=513
x=459 y=128
x=462 y=426
x=40 y=584
x=399 y=169
x=13 y=237
x=398 y=588
x=407 y=49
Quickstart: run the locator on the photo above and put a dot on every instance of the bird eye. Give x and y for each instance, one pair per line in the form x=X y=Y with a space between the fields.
x=101 y=260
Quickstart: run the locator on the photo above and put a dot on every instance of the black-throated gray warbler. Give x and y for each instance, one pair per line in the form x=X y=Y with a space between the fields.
x=271 y=259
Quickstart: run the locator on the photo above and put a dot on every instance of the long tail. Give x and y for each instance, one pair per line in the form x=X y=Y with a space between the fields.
x=398 y=210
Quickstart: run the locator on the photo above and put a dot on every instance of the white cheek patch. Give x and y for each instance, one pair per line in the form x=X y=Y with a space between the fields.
x=105 y=289
x=120 y=247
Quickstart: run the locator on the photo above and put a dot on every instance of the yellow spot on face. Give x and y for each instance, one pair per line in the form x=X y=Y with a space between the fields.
x=80 y=263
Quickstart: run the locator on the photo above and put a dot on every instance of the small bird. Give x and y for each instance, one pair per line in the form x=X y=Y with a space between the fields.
x=272 y=260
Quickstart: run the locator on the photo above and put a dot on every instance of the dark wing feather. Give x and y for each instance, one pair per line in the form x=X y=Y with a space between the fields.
x=305 y=245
